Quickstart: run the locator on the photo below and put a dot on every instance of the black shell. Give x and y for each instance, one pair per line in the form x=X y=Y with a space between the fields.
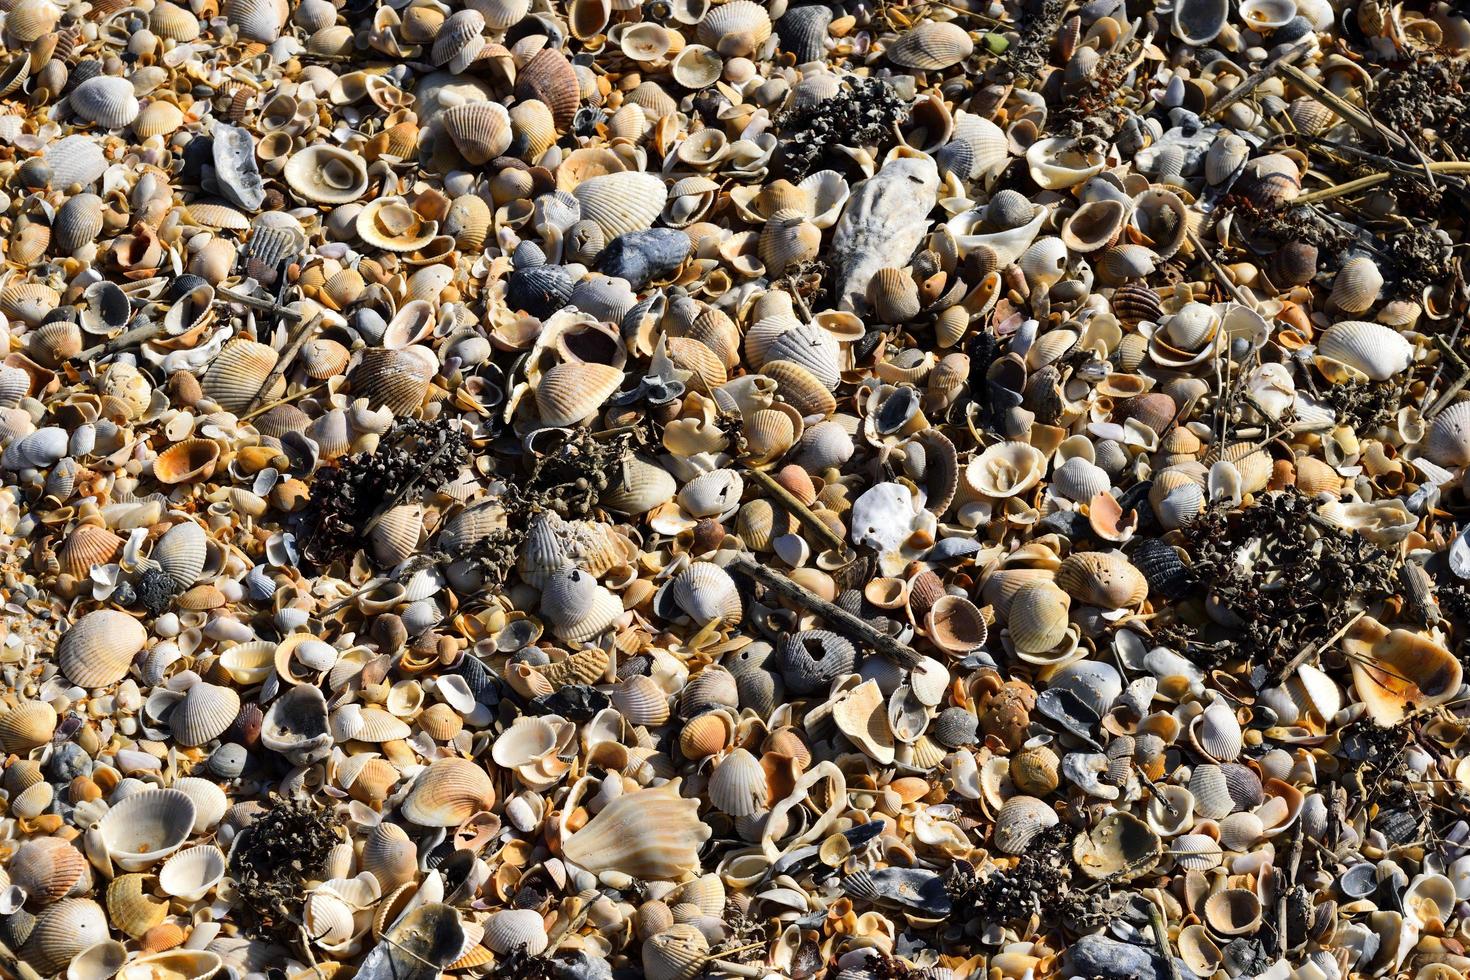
x=803 y=30
x=810 y=659
x=1166 y=572
x=540 y=290
x=1133 y=302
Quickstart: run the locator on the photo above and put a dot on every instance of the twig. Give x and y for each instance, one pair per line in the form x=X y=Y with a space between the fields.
x=1373 y=180
x=1236 y=293
x=1309 y=651
x=256 y=303
x=837 y=618
x=1355 y=117
x=1290 y=881
x=794 y=506
x=283 y=401
x=300 y=333
x=1455 y=386
x=1252 y=82
x=1161 y=938
x=124 y=340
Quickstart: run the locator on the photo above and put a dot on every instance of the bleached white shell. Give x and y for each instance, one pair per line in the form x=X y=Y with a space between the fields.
x=1379 y=352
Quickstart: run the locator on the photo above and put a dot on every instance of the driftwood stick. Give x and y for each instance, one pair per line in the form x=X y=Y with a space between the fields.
x=1161 y=938
x=256 y=303
x=1355 y=117
x=793 y=505
x=124 y=340
x=1454 y=387
x=261 y=410
x=1245 y=88
x=300 y=333
x=837 y=618
x=1309 y=651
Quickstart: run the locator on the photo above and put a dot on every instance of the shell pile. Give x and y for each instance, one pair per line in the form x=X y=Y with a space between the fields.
x=584 y=488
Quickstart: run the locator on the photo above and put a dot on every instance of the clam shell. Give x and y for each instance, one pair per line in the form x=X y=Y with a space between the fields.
x=680 y=952
x=187 y=461
x=27 y=726
x=707 y=594
x=1448 y=440
x=481 y=130
x=512 y=929
x=931 y=46
x=48 y=869
x=1105 y=579
x=62 y=931
x=389 y=855
x=648 y=834
x=257 y=20
x=130 y=908
x=1232 y=912
x=393 y=379
x=735 y=29
x=549 y=79
x=1020 y=819
x=100 y=647
x=737 y=785
x=147 y=827
x=323 y=174
x=235 y=376
x=204 y=713
x=570 y=392
x=447 y=792
x=1037 y=620
x=106 y=100
x=182 y=552
x=77 y=223
x=390 y=223
x=622 y=202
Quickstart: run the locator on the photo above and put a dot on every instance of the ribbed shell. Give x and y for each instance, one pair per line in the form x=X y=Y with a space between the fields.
x=86 y=547
x=548 y=77
x=390 y=855
x=1379 y=352
x=1357 y=285
x=47 y=868
x=511 y=929
x=737 y=786
x=257 y=20
x=106 y=100
x=206 y=711
x=735 y=29
x=236 y=374
x=100 y=647
x=182 y=552
x=1020 y=819
x=392 y=379
x=130 y=909
x=931 y=46
x=447 y=792
x=622 y=202
x=1448 y=440
x=78 y=222
x=569 y=392
x=1037 y=620
x=811 y=347
x=1102 y=578
x=706 y=593
x=61 y=932
x=481 y=130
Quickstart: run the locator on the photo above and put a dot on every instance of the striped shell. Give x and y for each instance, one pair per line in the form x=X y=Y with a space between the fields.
x=548 y=78
x=480 y=130
x=1379 y=352
x=48 y=869
x=206 y=711
x=448 y=792
x=100 y=647
x=735 y=29
x=1105 y=579
x=622 y=202
x=931 y=46
x=106 y=100
x=648 y=834
x=235 y=376
x=570 y=392
x=707 y=593
x=393 y=379
x=61 y=932
x=1020 y=819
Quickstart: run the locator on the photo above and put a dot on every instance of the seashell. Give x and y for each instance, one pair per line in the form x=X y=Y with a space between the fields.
x=204 y=713
x=1119 y=847
x=1037 y=619
x=389 y=223
x=77 y=223
x=256 y=20
x=106 y=100
x=28 y=301
x=931 y=46
x=393 y=379
x=736 y=28
x=680 y=952
x=1395 y=671
x=570 y=392
x=48 y=869
x=147 y=827
x=389 y=855
x=235 y=376
x=130 y=909
x=512 y=929
x=99 y=648
x=296 y=725
x=707 y=594
x=173 y=22
x=548 y=78
x=448 y=792
x=737 y=785
x=810 y=660
x=1217 y=734
x=480 y=130
x=622 y=202
x=1020 y=819
x=1095 y=225
x=61 y=932
x=862 y=716
x=27 y=726
x=158 y=118
x=1357 y=284
x=1232 y=912
x=1080 y=481
x=882 y=224
x=1105 y=579
x=187 y=461
x=641 y=701
x=648 y=834
x=210 y=801
x=1198 y=22
x=1377 y=351
x=324 y=174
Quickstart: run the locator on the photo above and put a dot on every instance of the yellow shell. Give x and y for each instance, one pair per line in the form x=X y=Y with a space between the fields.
x=448 y=792
x=100 y=647
x=132 y=910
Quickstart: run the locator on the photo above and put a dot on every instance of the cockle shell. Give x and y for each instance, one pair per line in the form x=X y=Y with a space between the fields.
x=27 y=726
x=106 y=100
x=1020 y=819
x=931 y=46
x=204 y=713
x=447 y=792
x=100 y=647
x=481 y=130
x=649 y=834
x=1102 y=578
x=48 y=869
x=63 y=930
x=707 y=594
x=737 y=785
x=257 y=20
x=511 y=929
x=570 y=392
x=131 y=910
x=736 y=28
x=237 y=373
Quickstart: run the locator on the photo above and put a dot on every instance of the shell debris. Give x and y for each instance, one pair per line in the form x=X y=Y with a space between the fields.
x=738 y=488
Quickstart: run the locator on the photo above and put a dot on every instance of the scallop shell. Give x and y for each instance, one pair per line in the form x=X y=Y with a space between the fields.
x=1217 y=734
x=1379 y=352
x=931 y=46
x=48 y=869
x=548 y=78
x=481 y=130
x=106 y=100
x=235 y=376
x=649 y=834
x=257 y=20
x=204 y=713
x=390 y=856
x=130 y=909
x=182 y=552
x=736 y=28
x=680 y=952
x=396 y=537
x=393 y=379
x=622 y=202
x=27 y=726
x=737 y=785
x=447 y=792
x=512 y=929
x=100 y=647
x=1020 y=819
x=62 y=931
x=1105 y=579
x=147 y=827
x=707 y=594
x=570 y=392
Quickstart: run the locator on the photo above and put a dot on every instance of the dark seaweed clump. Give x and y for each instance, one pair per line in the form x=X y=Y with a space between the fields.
x=1364 y=405
x=414 y=454
x=1023 y=61
x=272 y=862
x=1299 y=581
x=1039 y=884
x=1428 y=101
x=863 y=115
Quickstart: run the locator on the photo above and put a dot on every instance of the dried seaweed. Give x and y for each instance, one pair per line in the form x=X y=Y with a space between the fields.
x=1039 y=884
x=413 y=455
x=866 y=114
x=1428 y=101
x=274 y=858
x=1025 y=60
x=1364 y=405
x=1289 y=578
